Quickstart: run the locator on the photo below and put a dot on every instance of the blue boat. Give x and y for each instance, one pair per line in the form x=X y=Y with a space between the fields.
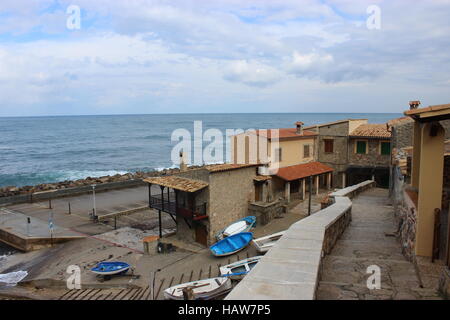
x=242 y=225
x=110 y=268
x=231 y=244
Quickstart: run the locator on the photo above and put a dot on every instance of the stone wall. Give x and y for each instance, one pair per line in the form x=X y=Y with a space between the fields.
x=406 y=214
x=265 y=212
x=12 y=194
x=372 y=159
x=230 y=194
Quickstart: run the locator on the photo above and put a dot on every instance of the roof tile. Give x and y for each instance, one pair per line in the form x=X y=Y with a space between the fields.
x=304 y=170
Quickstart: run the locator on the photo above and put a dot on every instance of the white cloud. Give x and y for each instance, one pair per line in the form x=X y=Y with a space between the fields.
x=251 y=73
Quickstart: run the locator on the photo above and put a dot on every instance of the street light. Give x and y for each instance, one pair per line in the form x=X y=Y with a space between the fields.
x=93 y=195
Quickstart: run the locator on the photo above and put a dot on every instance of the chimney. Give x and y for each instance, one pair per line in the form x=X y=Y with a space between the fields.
x=299 y=126
x=183 y=166
x=414 y=104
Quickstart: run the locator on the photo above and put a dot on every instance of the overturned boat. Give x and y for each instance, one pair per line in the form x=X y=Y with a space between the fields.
x=242 y=225
x=202 y=289
x=238 y=269
x=263 y=244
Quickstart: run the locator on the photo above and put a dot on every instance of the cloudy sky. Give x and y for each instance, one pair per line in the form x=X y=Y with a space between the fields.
x=143 y=56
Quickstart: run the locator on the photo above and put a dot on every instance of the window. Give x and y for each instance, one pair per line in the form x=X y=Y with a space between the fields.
x=385 y=148
x=278 y=154
x=361 y=147
x=329 y=144
x=306 y=151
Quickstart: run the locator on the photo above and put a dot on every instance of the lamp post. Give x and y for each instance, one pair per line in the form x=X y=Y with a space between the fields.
x=93 y=197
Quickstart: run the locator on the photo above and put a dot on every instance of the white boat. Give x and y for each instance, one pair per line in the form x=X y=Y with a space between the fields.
x=201 y=289
x=263 y=244
x=243 y=225
x=239 y=269
x=237 y=227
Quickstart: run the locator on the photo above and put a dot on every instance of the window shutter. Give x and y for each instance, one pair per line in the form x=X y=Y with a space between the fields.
x=361 y=147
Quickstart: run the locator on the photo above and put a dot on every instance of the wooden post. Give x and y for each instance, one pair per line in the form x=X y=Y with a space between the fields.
x=162 y=198
x=317 y=184
x=310 y=195
x=303 y=188
x=70 y=211
x=50 y=203
x=160 y=226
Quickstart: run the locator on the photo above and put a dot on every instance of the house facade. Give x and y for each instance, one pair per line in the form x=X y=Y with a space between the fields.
x=355 y=149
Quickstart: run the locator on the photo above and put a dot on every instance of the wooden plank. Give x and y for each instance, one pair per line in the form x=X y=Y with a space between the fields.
x=118 y=294
x=159 y=289
x=74 y=297
x=85 y=295
x=190 y=277
x=209 y=272
x=135 y=294
x=143 y=293
x=95 y=293
x=181 y=278
x=199 y=274
x=128 y=293
x=67 y=294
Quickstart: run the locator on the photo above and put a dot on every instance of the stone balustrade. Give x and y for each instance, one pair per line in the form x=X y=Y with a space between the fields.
x=291 y=269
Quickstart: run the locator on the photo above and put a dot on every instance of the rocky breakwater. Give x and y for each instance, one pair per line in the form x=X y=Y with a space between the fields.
x=14 y=191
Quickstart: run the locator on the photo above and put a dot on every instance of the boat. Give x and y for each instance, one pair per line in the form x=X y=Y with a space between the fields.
x=263 y=244
x=242 y=225
x=238 y=270
x=231 y=244
x=108 y=268
x=202 y=289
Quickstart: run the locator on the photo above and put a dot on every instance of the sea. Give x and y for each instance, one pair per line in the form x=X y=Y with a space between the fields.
x=47 y=149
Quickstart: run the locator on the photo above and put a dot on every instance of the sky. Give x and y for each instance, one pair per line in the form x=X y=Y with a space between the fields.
x=209 y=56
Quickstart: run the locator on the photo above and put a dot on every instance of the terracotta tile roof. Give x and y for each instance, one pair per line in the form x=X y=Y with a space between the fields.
x=300 y=171
x=331 y=123
x=398 y=121
x=438 y=107
x=370 y=130
x=228 y=166
x=178 y=183
x=286 y=133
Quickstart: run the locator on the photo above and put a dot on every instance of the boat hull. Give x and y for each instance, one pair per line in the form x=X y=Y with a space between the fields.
x=202 y=289
x=231 y=244
x=238 y=270
x=263 y=244
x=110 y=268
x=237 y=227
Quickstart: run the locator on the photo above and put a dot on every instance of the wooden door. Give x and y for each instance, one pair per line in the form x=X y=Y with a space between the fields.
x=201 y=234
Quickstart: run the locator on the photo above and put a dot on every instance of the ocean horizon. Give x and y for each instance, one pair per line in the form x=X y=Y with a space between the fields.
x=46 y=149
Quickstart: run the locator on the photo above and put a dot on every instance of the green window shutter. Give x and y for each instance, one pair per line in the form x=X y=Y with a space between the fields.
x=361 y=147
x=385 y=148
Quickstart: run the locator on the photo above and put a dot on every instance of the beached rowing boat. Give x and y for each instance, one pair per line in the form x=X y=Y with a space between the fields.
x=202 y=289
x=108 y=268
x=242 y=225
x=263 y=244
x=239 y=269
x=231 y=244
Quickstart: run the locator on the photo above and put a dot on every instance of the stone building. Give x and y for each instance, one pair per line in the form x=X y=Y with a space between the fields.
x=205 y=200
x=355 y=149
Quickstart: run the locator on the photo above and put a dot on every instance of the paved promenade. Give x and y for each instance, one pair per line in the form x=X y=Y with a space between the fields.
x=368 y=241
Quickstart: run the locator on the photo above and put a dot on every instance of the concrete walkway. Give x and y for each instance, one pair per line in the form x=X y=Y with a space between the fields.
x=368 y=241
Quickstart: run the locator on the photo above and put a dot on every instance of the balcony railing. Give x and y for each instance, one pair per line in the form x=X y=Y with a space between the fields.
x=198 y=213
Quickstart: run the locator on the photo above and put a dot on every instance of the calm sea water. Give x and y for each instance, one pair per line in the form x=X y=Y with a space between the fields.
x=37 y=150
